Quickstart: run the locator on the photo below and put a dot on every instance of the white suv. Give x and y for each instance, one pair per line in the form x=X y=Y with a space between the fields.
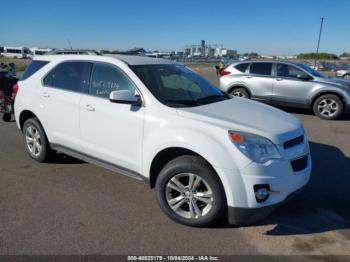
x=206 y=154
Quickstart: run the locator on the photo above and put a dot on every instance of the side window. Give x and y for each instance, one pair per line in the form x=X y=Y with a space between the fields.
x=105 y=79
x=242 y=67
x=261 y=69
x=34 y=66
x=289 y=71
x=71 y=76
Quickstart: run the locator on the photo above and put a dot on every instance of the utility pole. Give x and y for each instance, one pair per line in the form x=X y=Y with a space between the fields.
x=319 y=39
x=68 y=40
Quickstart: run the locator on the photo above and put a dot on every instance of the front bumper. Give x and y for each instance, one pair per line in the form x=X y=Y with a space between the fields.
x=283 y=178
x=247 y=216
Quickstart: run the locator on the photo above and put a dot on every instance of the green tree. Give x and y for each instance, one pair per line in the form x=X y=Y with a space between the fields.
x=319 y=56
x=345 y=54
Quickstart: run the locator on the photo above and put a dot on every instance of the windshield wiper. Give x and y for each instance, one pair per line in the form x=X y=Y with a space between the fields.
x=211 y=97
x=182 y=102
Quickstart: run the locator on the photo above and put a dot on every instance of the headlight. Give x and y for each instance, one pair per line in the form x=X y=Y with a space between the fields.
x=257 y=148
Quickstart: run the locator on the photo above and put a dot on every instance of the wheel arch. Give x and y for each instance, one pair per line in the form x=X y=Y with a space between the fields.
x=24 y=116
x=328 y=92
x=235 y=86
x=165 y=156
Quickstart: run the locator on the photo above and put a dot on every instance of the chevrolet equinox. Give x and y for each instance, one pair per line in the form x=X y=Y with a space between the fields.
x=206 y=154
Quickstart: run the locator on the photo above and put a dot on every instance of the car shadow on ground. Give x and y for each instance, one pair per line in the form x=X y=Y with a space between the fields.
x=324 y=204
x=65 y=159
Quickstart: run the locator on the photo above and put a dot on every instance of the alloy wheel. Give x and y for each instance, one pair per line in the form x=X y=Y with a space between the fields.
x=239 y=94
x=33 y=141
x=189 y=195
x=328 y=107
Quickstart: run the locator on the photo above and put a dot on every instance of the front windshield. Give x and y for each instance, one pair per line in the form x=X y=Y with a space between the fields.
x=177 y=86
x=312 y=71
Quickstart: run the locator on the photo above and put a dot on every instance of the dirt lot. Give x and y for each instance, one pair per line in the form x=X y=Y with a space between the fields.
x=71 y=207
x=21 y=64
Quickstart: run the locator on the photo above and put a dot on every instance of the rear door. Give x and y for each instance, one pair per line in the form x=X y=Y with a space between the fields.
x=291 y=86
x=259 y=81
x=60 y=97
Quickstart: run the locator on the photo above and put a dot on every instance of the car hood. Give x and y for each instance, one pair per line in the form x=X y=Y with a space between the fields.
x=239 y=114
x=335 y=81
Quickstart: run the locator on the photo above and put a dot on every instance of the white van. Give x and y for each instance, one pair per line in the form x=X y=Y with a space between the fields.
x=16 y=52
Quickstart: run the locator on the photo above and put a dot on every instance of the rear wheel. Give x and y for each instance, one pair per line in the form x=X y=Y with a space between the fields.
x=346 y=76
x=189 y=192
x=239 y=92
x=35 y=140
x=328 y=107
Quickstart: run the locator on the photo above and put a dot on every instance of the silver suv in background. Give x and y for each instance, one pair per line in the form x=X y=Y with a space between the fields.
x=288 y=84
x=344 y=71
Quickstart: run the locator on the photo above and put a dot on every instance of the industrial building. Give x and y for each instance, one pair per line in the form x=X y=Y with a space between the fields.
x=208 y=50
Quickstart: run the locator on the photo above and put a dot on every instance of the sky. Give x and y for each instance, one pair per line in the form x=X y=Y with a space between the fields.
x=271 y=27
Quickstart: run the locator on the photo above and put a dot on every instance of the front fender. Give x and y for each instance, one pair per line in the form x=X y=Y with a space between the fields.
x=345 y=94
x=214 y=146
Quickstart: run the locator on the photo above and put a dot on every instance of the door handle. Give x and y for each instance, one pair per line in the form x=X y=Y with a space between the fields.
x=279 y=79
x=249 y=76
x=46 y=95
x=89 y=108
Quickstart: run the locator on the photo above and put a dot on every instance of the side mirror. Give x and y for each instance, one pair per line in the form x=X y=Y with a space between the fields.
x=304 y=77
x=125 y=97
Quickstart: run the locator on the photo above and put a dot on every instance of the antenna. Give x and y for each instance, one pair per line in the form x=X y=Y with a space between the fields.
x=68 y=41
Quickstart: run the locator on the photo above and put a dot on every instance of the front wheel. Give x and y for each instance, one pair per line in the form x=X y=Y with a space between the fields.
x=328 y=107
x=346 y=76
x=189 y=192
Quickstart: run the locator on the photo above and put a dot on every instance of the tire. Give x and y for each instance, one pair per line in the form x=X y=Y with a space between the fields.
x=206 y=187
x=328 y=107
x=6 y=117
x=33 y=137
x=346 y=76
x=240 y=92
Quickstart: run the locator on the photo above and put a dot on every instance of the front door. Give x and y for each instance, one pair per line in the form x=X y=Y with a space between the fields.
x=291 y=86
x=111 y=132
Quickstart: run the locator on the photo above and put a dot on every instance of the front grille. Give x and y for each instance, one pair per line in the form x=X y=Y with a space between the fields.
x=293 y=142
x=299 y=164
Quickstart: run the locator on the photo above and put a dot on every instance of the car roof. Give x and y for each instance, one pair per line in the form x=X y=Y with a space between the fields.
x=269 y=61
x=140 y=60
x=128 y=59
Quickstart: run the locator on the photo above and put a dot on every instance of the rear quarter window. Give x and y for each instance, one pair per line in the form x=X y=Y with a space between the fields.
x=242 y=67
x=33 y=67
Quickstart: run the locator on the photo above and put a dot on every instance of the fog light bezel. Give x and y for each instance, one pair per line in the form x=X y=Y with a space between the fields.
x=258 y=196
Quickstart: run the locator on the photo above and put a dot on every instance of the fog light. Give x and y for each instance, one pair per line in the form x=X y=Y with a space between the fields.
x=262 y=192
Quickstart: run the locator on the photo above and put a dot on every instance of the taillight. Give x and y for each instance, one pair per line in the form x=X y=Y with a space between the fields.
x=15 y=90
x=223 y=72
